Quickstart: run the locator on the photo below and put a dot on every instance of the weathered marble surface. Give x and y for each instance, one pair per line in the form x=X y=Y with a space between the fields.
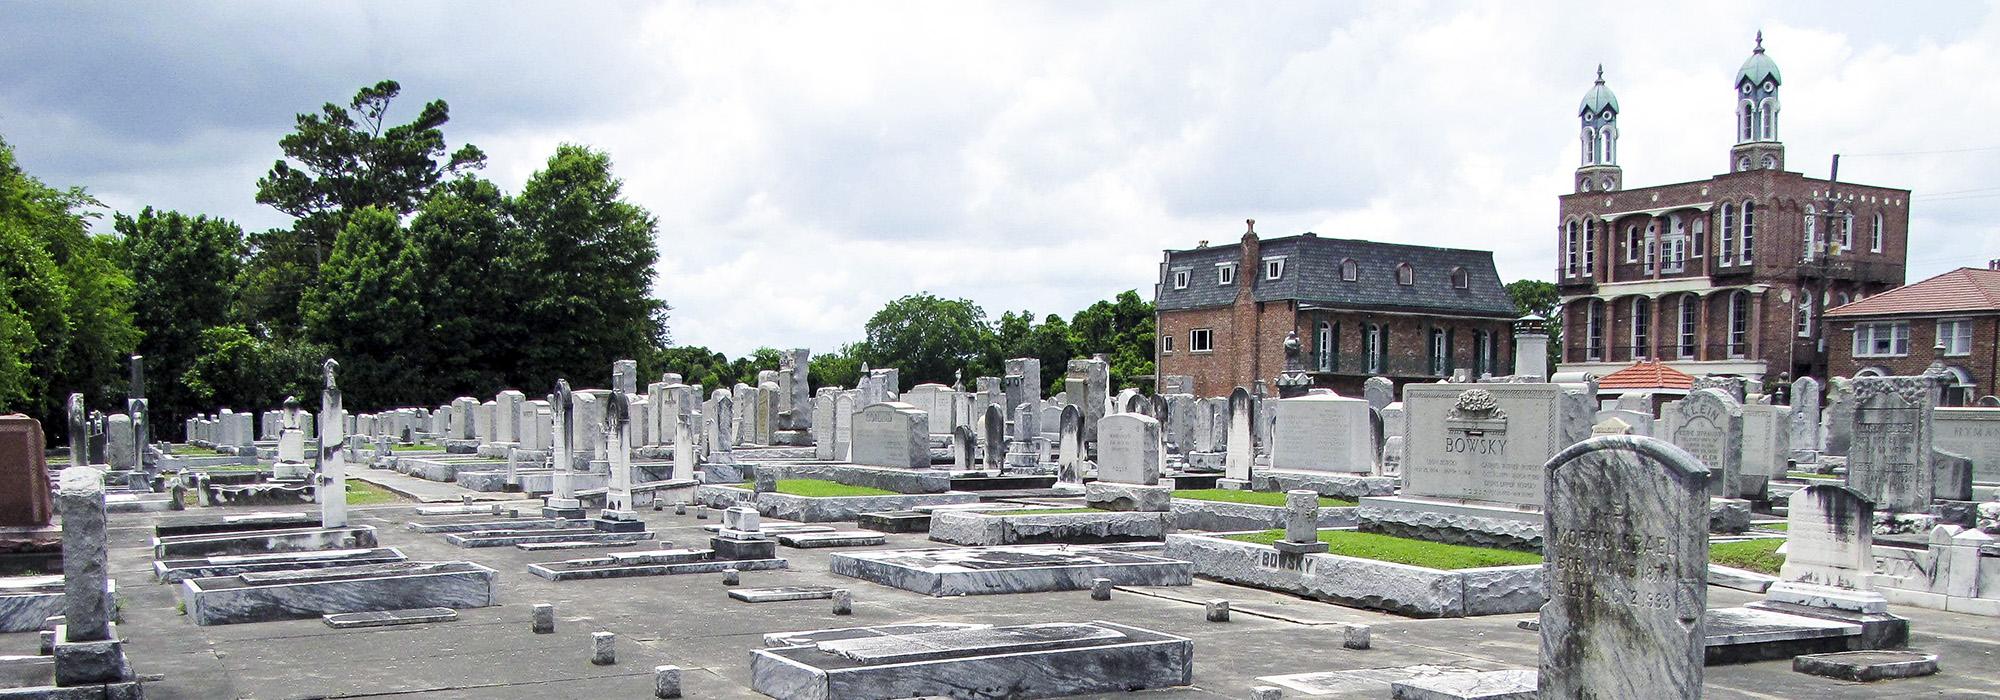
x=1219 y=516
x=1364 y=583
x=177 y=570
x=1331 y=485
x=1511 y=684
x=1889 y=459
x=1009 y=569
x=1135 y=659
x=827 y=509
x=980 y=529
x=483 y=525
x=509 y=538
x=1150 y=498
x=555 y=571
x=1450 y=521
x=1627 y=559
x=26 y=602
x=839 y=538
x=228 y=600
x=781 y=593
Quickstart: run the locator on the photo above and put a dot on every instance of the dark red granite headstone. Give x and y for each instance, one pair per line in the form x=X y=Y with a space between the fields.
x=24 y=474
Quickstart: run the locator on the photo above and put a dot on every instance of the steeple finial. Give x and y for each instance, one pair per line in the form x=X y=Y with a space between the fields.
x=1760 y=42
x=1252 y=223
x=1600 y=74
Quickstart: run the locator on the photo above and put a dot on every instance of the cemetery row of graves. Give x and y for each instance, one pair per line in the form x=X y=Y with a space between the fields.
x=1602 y=521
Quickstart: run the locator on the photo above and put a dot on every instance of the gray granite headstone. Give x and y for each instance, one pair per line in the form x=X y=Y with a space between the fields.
x=1829 y=535
x=86 y=609
x=1837 y=418
x=1089 y=384
x=1889 y=460
x=1709 y=425
x=964 y=448
x=1379 y=392
x=892 y=434
x=1625 y=564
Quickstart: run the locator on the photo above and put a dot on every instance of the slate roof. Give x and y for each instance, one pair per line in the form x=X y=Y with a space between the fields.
x=1312 y=275
x=1961 y=290
x=1646 y=375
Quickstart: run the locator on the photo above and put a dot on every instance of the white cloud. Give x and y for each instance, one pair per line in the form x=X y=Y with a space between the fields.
x=809 y=163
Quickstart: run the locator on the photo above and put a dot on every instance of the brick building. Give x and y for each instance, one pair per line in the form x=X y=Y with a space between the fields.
x=1953 y=319
x=1360 y=308
x=1728 y=275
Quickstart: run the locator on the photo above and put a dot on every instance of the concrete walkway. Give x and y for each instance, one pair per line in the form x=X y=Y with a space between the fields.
x=425 y=490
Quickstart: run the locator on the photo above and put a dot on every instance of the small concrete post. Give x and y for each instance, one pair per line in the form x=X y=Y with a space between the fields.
x=1265 y=692
x=681 y=508
x=544 y=618
x=1357 y=637
x=603 y=648
x=701 y=513
x=843 y=602
x=666 y=681
x=1100 y=588
x=731 y=577
x=1218 y=610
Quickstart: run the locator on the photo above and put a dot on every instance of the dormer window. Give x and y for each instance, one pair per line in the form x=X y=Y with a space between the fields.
x=1274 y=268
x=1225 y=273
x=1180 y=279
x=1350 y=270
x=1406 y=275
x=1460 y=279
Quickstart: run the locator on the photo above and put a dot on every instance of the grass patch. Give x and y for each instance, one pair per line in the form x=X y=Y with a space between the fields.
x=232 y=469
x=416 y=448
x=1813 y=475
x=821 y=488
x=1043 y=511
x=362 y=493
x=192 y=451
x=1256 y=498
x=1433 y=555
x=1781 y=527
x=1759 y=555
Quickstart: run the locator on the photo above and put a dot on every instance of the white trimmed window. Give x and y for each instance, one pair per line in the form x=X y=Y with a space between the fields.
x=1632 y=244
x=1956 y=336
x=1593 y=337
x=1590 y=247
x=1749 y=249
x=1405 y=274
x=1888 y=339
x=1166 y=343
x=1201 y=340
x=1875 y=239
x=1727 y=256
x=1350 y=271
x=1180 y=279
x=1570 y=241
x=1739 y=323
x=1690 y=314
x=1225 y=273
x=1700 y=236
x=1811 y=233
x=1274 y=268
x=1847 y=232
x=1803 y=326
x=1642 y=322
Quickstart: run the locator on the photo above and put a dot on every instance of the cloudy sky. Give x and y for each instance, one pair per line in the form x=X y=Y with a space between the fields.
x=810 y=162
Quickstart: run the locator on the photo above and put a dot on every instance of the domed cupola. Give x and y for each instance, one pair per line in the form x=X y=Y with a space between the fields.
x=1757 y=107
x=1597 y=115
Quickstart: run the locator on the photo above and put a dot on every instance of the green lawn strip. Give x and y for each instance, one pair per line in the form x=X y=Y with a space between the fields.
x=416 y=448
x=1813 y=475
x=821 y=488
x=1256 y=498
x=1044 y=511
x=1781 y=527
x=362 y=493
x=1431 y=555
x=1759 y=555
x=192 y=451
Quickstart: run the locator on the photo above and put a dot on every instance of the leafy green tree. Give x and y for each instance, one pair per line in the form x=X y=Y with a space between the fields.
x=926 y=337
x=696 y=365
x=240 y=369
x=184 y=272
x=64 y=287
x=838 y=368
x=744 y=369
x=1540 y=298
x=468 y=287
x=588 y=256
x=1122 y=330
x=362 y=308
x=338 y=162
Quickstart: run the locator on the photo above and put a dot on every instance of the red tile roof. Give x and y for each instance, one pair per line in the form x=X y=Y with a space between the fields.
x=1646 y=375
x=1960 y=290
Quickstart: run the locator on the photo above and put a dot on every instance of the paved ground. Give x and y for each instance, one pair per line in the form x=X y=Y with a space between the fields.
x=689 y=621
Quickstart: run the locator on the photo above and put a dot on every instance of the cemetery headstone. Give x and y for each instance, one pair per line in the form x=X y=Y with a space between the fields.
x=1804 y=424
x=1829 y=536
x=331 y=490
x=1837 y=418
x=1379 y=392
x=1889 y=460
x=1484 y=442
x=1128 y=449
x=1625 y=566
x=1070 y=464
x=994 y=428
x=1322 y=433
x=1089 y=385
x=1240 y=448
x=24 y=473
x=892 y=434
x=1709 y=425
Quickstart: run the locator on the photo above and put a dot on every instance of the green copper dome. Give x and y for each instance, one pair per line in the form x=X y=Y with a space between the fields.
x=1598 y=98
x=1759 y=66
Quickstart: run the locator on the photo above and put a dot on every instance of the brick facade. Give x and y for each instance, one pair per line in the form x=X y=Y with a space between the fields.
x=1981 y=366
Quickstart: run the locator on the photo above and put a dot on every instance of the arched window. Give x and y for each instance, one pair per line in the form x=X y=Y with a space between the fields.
x=1375 y=346
x=1847 y=232
x=1570 y=243
x=1589 y=146
x=1405 y=274
x=1690 y=316
x=1749 y=250
x=1803 y=326
x=1590 y=247
x=1739 y=323
x=1607 y=142
x=1482 y=360
x=1350 y=270
x=1594 y=331
x=1440 y=352
x=1746 y=119
x=1958 y=388
x=1844 y=298
x=1811 y=233
x=1768 y=114
x=1642 y=322
x=1875 y=239
x=1585 y=184
x=1700 y=235
x=1329 y=347
x=1727 y=257
x=1871 y=372
x=1460 y=279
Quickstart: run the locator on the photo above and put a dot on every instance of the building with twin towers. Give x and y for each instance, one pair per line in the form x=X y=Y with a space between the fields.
x=1727 y=275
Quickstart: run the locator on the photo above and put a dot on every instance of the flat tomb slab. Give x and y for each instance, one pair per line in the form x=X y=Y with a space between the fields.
x=177 y=570
x=836 y=538
x=894 y=521
x=508 y=538
x=308 y=593
x=1009 y=569
x=1024 y=661
x=668 y=562
x=1863 y=666
x=1513 y=684
x=208 y=524
x=514 y=524
x=810 y=637
x=781 y=593
x=264 y=542
x=387 y=618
